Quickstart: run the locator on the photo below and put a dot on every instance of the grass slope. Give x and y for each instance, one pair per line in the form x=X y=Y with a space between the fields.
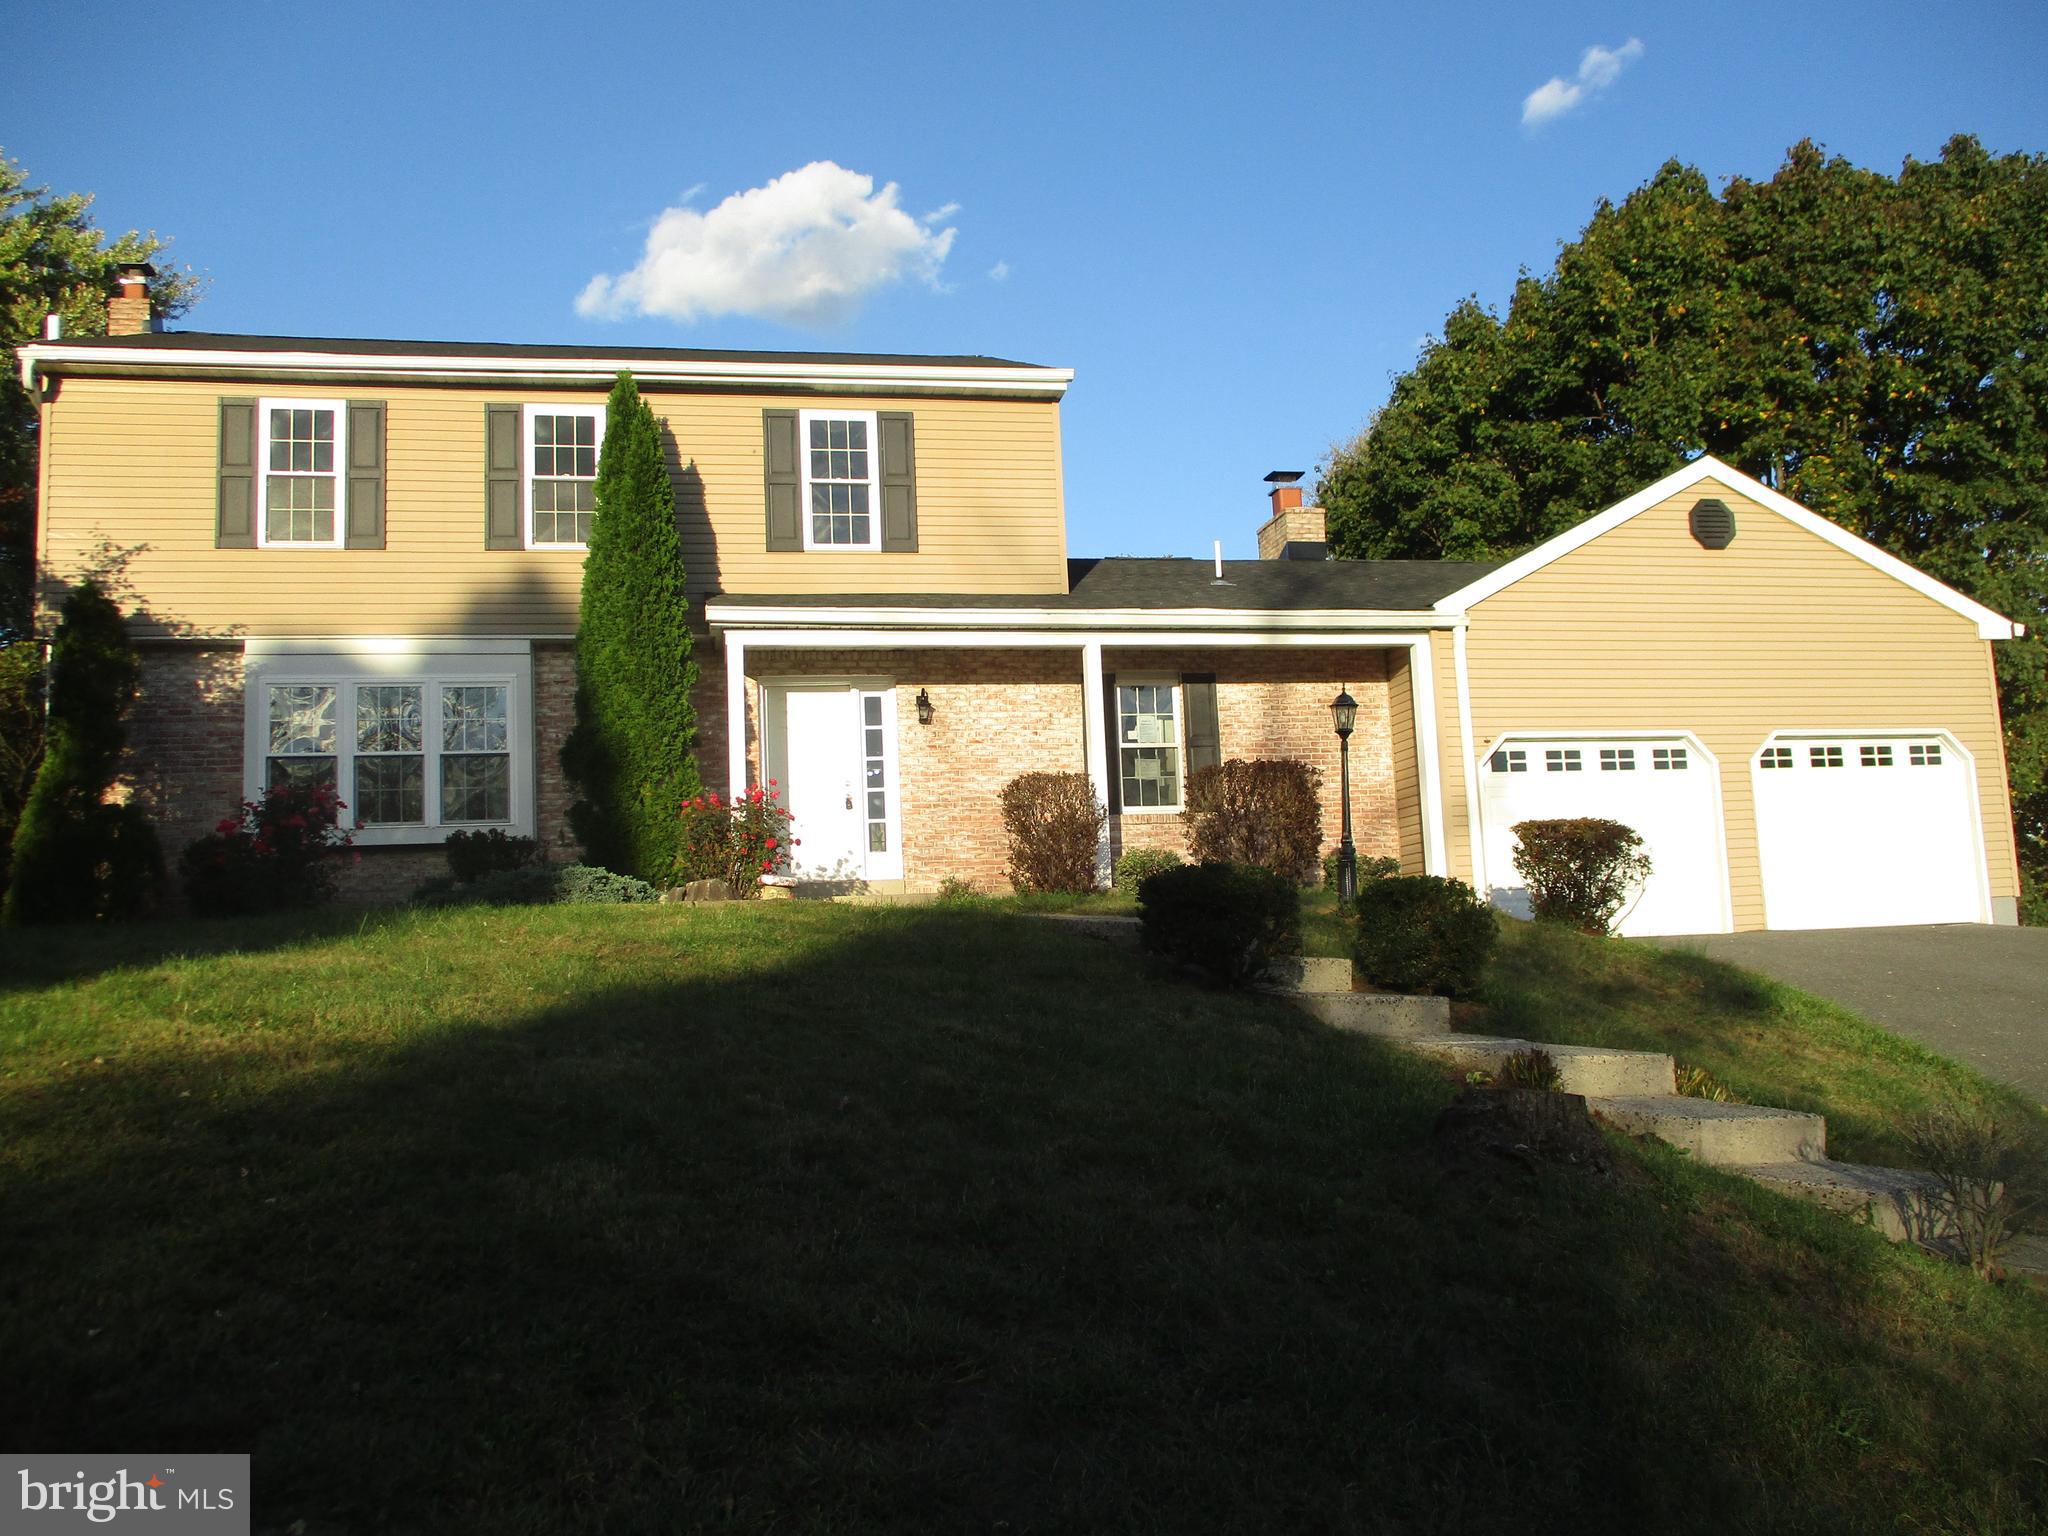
x=817 y=1218
x=1770 y=1043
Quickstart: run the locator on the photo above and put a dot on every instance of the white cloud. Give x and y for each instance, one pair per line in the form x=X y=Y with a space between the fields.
x=805 y=249
x=1000 y=272
x=1598 y=69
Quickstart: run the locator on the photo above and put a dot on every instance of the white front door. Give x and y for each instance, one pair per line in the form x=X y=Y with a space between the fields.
x=1663 y=787
x=832 y=749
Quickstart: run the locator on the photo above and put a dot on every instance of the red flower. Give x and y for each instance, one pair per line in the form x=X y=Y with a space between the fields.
x=771 y=842
x=766 y=865
x=796 y=842
x=713 y=797
x=226 y=825
x=774 y=781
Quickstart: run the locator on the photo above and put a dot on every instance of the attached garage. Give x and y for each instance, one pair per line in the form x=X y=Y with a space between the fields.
x=1667 y=787
x=1868 y=831
x=1837 y=708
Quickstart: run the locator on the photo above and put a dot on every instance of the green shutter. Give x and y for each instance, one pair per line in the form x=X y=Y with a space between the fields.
x=365 y=516
x=1205 y=745
x=783 y=482
x=504 y=527
x=899 y=481
x=234 y=515
x=1111 y=733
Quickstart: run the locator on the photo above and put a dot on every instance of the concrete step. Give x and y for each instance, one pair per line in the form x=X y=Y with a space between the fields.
x=1388 y=1014
x=1899 y=1202
x=1307 y=973
x=1726 y=1135
x=1594 y=1071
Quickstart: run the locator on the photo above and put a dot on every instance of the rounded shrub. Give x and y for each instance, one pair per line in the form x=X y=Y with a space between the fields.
x=1422 y=933
x=1262 y=811
x=1134 y=867
x=472 y=855
x=1228 y=921
x=1581 y=870
x=1054 y=825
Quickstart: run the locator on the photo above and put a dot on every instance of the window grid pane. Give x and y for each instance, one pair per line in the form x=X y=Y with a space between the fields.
x=1924 y=754
x=1148 y=745
x=564 y=477
x=840 y=480
x=1824 y=757
x=1561 y=760
x=875 y=765
x=1667 y=758
x=298 y=492
x=1617 y=759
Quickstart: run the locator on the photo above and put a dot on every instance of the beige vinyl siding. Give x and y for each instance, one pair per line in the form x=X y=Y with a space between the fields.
x=1643 y=629
x=1407 y=774
x=132 y=462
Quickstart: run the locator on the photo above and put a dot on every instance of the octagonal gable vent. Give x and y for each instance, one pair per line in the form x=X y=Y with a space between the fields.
x=1713 y=524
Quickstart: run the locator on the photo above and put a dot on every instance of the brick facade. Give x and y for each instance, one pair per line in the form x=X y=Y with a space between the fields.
x=996 y=714
x=999 y=713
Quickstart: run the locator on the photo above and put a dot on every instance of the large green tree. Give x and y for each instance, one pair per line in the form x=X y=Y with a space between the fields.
x=630 y=755
x=53 y=261
x=1875 y=347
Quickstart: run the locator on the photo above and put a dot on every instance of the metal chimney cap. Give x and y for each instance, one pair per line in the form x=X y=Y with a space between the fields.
x=1285 y=476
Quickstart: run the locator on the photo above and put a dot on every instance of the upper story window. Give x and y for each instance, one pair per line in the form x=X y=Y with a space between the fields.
x=841 y=480
x=1148 y=745
x=561 y=474
x=300 y=454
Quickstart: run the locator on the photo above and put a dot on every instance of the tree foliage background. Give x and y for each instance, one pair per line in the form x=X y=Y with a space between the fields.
x=53 y=261
x=630 y=754
x=1875 y=347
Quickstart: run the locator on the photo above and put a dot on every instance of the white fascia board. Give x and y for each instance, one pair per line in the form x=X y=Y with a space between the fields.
x=737 y=615
x=1990 y=625
x=385 y=645
x=595 y=369
x=1043 y=639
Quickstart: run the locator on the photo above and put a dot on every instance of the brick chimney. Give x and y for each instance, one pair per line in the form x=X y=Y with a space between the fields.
x=128 y=310
x=1293 y=532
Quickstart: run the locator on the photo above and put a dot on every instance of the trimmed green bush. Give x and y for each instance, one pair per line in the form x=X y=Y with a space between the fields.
x=630 y=753
x=472 y=855
x=1228 y=921
x=76 y=858
x=538 y=885
x=1260 y=811
x=1054 y=825
x=1422 y=933
x=1136 y=865
x=1580 y=870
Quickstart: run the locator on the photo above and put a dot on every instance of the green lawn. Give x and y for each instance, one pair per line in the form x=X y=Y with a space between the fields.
x=817 y=1218
x=1771 y=1044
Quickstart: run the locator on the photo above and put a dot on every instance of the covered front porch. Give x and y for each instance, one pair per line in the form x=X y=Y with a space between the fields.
x=891 y=745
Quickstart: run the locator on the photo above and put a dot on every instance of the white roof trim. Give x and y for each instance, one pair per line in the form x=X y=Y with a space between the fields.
x=737 y=613
x=595 y=368
x=1990 y=625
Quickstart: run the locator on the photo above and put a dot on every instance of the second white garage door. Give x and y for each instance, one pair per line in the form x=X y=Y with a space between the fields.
x=1867 y=831
x=1664 y=787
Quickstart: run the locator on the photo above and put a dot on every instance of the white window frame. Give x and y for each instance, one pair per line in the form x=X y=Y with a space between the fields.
x=804 y=418
x=527 y=476
x=339 y=474
x=346 y=664
x=1120 y=681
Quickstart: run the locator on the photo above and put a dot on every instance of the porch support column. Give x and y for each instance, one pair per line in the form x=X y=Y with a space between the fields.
x=1096 y=744
x=735 y=716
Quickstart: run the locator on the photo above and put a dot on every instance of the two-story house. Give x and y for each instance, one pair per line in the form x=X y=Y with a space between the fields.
x=360 y=560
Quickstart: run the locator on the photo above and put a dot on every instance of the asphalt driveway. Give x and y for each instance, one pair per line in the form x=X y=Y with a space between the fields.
x=1975 y=993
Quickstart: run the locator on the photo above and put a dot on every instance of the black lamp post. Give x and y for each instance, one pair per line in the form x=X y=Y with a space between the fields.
x=1344 y=715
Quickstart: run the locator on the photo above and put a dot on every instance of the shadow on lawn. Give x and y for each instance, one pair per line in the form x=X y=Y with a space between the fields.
x=928 y=1221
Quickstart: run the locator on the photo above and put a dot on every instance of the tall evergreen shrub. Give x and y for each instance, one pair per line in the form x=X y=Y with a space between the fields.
x=77 y=858
x=630 y=753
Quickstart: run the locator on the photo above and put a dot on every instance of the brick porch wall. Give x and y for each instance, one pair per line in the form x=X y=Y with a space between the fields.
x=1276 y=703
x=999 y=713
x=995 y=714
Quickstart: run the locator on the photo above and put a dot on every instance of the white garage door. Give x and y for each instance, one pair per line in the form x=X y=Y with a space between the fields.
x=1664 y=787
x=1867 y=832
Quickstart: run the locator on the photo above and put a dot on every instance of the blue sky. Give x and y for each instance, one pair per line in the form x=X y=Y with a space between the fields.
x=1234 y=223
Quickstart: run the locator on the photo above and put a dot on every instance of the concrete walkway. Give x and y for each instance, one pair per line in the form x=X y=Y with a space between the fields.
x=1977 y=994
